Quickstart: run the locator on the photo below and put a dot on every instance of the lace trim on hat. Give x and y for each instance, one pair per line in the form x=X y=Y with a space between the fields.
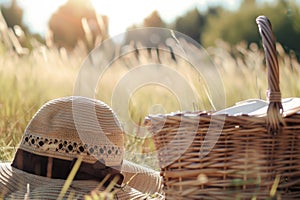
x=70 y=147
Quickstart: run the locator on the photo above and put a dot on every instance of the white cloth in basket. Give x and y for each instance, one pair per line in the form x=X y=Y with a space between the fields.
x=258 y=107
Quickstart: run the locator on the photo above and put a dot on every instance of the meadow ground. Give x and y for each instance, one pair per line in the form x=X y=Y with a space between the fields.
x=28 y=81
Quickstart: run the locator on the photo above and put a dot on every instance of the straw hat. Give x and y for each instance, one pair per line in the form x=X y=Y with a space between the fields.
x=61 y=133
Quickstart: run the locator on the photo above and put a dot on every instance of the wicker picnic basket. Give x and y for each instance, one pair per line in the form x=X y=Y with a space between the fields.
x=203 y=155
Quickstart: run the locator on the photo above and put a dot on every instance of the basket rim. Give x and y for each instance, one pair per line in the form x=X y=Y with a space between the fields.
x=291 y=106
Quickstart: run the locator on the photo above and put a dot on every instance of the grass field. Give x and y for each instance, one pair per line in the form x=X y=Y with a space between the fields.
x=27 y=81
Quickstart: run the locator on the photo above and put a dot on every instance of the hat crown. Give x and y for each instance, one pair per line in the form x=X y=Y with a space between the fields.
x=70 y=127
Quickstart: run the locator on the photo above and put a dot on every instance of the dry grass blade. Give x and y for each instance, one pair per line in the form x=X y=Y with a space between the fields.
x=275 y=186
x=108 y=193
x=70 y=178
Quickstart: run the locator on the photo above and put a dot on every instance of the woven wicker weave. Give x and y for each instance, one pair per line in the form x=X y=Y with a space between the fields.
x=253 y=156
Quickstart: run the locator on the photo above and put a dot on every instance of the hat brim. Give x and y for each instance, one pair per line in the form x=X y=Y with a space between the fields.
x=16 y=184
x=142 y=178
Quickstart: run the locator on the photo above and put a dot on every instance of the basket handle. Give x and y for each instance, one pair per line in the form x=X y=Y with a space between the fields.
x=275 y=110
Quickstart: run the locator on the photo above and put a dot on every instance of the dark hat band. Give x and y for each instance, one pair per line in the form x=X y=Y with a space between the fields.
x=60 y=169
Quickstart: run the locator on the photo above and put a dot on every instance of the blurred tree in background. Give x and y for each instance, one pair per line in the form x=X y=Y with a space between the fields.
x=191 y=24
x=236 y=26
x=13 y=16
x=144 y=35
x=154 y=20
x=77 y=20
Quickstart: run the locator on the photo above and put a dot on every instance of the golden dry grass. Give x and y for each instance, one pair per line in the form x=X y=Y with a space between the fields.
x=28 y=81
